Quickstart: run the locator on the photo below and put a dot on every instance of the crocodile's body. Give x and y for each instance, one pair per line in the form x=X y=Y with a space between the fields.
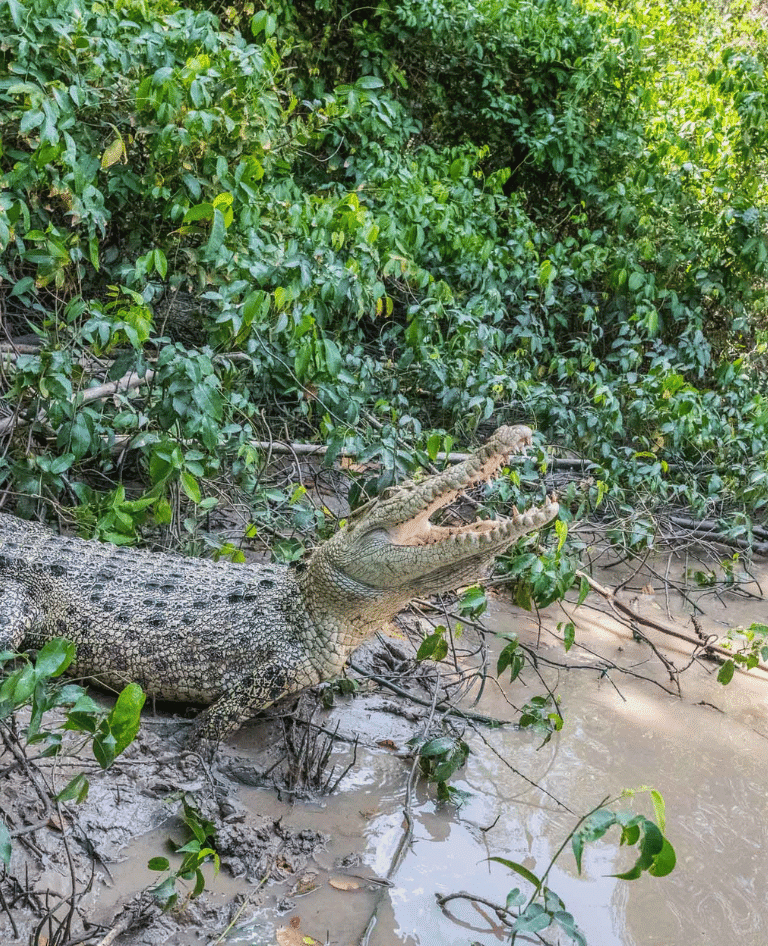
x=241 y=636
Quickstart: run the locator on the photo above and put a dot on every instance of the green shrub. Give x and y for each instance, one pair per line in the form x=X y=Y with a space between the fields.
x=433 y=214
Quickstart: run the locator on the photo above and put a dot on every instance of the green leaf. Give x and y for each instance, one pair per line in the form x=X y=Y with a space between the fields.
x=369 y=82
x=160 y=262
x=457 y=169
x=202 y=211
x=165 y=892
x=5 y=844
x=437 y=746
x=515 y=898
x=547 y=273
x=159 y=863
x=332 y=357
x=199 y=884
x=433 y=446
x=568 y=923
x=191 y=847
x=263 y=22
x=561 y=528
x=162 y=512
x=104 y=748
x=125 y=718
x=657 y=855
x=53 y=658
x=519 y=869
x=79 y=437
x=533 y=920
x=218 y=234
x=511 y=656
x=24 y=685
x=190 y=486
x=76 y=789
x=473 y=602
x=256 y=306
x=433 y=647
x=663 y=862
x=114 y=152
x=725 y=674
x=81 y=722
x=659 y=808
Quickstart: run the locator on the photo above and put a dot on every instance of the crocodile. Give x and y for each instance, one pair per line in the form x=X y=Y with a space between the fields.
x=237 y=637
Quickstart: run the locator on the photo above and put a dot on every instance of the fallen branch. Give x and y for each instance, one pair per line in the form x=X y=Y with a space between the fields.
x=712 y=530
x=127 y=383
x=707 y=644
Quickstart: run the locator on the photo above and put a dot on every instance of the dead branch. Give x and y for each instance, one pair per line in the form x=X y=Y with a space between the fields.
x=127 y=383
x=708 y=646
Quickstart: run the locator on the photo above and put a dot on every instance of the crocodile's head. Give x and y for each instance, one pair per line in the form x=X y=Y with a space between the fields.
x=390 y=552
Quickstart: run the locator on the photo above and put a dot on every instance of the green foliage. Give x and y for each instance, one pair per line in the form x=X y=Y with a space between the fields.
x=344 y=686
x=197 y=851
x=30 y=684
x=473 y=602
x=544 y=908
x=511 y=657
x=542 y=715
x=432 y=215
x=750 y=648
x=657 y=856
x=434 y=646
x=439 y=759
x=539 y=577
x=56 y=708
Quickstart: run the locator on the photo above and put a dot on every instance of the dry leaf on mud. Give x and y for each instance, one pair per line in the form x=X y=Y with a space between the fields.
x=387 y=744
x=344 y=883
x=293 y=936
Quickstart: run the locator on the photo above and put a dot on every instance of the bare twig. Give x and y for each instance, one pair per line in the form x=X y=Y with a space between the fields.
x=442 y=707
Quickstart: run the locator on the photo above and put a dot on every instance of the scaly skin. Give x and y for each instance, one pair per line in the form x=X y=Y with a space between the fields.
x=239 y=637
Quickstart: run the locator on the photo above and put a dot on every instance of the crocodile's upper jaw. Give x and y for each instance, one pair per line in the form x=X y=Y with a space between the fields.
x=390 y=549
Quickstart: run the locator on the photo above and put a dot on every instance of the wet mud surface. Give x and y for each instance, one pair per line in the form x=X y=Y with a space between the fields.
x=301 y=867
x=140 y=797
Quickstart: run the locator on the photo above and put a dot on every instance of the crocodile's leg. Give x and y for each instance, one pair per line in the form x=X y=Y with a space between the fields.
x=239 y=702
x=19 y=613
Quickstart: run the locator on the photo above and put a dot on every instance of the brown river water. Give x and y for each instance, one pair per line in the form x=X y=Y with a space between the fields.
x=707 y=753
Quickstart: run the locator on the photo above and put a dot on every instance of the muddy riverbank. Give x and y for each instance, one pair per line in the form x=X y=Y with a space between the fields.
x=294 y=867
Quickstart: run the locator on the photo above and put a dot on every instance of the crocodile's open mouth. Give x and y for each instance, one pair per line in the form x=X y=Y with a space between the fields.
x=479 y=534
x=444 y=488
x=391 y=547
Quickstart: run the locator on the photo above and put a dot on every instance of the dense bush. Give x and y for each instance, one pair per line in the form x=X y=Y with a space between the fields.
x=388 y=219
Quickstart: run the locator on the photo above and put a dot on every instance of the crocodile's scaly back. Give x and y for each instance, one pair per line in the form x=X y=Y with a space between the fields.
x=241 y=636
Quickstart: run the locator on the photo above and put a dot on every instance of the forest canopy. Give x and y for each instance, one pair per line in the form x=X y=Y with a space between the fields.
x=381 y=227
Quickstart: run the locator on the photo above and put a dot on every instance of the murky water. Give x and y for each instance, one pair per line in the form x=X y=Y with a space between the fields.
x=707 y=754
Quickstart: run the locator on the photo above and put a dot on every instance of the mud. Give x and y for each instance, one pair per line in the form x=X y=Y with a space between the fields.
x=322 y=867
x=138 y=798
